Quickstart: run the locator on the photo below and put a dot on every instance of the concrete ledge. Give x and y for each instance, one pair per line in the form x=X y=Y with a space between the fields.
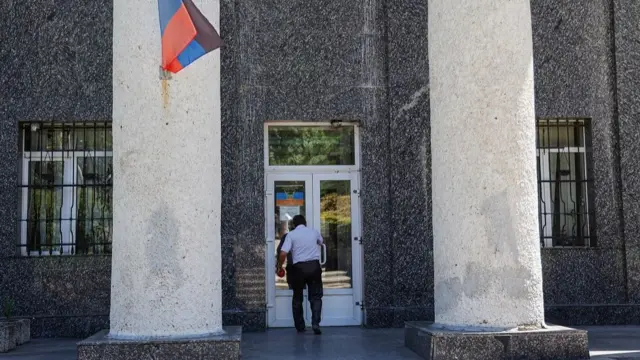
x=101 y=347
x=556 y=342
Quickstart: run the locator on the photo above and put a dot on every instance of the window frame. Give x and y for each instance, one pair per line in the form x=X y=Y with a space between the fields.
x=544 y=179
x=311 y=168
x=70 y=186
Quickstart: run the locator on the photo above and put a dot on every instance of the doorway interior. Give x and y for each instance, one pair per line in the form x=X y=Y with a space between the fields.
x=313 y=170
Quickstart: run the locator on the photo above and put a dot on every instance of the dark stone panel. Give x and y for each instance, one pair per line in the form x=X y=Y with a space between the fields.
x=407 y=42
x=308 y=44
x=251 y=321
x=243 y=243
x=73 y=326
x=575 y=77
x=410 y=159
x=379 y=317
x=402 y=315
x=376 y=211
x=229 y=96
x=9 y=192
x=584 y=315
x=396 y=316
x=58 y=57
x=298 y=57
x=315 y=104
x=224 y=346
x=243 y=108
x=627 y=33
x=556 y=342
x=68 y=326
x=411 y=196
x=329 y=16
x=583 y=276
x=12 y=91
x=229 y=274
x=58 y=285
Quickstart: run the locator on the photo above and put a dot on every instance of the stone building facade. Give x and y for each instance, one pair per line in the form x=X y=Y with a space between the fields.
x=362 y=63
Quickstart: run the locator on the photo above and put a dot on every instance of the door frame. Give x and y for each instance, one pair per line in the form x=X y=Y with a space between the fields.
x=268 y=169
x=307 y=173
x=357 y=275
x=270 y=261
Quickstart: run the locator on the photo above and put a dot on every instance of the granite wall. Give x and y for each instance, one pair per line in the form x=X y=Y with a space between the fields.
x=56 y=60
x=627 y=55
x=409 y=201
x=363 y=60
x=304 y=61
x=576 y=51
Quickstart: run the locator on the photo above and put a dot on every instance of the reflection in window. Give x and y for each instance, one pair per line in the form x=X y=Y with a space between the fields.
x=563 y=180
x=311 y=145
x=290 y=200
x=66 y=189
x=94 y=205
x=45 y=202
x=335 y=227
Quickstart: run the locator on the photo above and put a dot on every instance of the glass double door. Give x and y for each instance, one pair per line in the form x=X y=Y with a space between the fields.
x=331 y=204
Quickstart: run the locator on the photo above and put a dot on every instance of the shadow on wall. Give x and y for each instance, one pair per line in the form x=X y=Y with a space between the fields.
x=243 y=282
x=64 y=296
x=163 y=257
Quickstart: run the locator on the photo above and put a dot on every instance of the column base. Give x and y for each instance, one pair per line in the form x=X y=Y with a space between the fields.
x=555 y=342
x=101 y=347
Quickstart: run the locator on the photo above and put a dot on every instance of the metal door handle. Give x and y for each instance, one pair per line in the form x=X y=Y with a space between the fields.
x=324 y=250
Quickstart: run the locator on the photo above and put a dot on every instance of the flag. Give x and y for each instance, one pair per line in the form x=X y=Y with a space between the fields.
x=186 y=34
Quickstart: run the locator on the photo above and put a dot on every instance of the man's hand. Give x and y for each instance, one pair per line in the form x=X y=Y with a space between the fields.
x=282 y=258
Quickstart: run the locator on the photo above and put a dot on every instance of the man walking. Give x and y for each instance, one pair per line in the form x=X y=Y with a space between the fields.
x=304 y=245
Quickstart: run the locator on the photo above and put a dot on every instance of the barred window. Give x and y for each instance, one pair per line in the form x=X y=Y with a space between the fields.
x=66 y=189
x=564 y=183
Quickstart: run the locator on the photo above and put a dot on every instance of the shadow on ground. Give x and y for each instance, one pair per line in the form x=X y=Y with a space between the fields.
x=606 y=343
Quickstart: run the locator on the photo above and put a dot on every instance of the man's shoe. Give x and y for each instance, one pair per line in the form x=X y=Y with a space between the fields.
x=316 y=330
x=300 y=331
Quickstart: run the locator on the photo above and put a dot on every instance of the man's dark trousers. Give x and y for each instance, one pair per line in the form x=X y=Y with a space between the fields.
x=307 y=273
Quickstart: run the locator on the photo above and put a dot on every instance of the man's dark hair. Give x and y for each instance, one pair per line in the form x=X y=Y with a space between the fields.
x=299 y=220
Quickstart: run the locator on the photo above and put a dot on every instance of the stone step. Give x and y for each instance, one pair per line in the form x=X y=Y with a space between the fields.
x=252 y=277
x=334 y=273
x=341 y=285
x=328 y=279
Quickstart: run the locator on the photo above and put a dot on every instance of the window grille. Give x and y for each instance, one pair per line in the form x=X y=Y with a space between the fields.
x=66 y=189
x=564 y=183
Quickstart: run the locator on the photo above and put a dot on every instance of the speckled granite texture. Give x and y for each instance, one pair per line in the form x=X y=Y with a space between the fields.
x=57 y=66
x=281 y=63
x=410 y=163
x=627 y=33
x=556 y=342
x=582 y=315
x=328 y=59
x=575 y=77
x=214 y=347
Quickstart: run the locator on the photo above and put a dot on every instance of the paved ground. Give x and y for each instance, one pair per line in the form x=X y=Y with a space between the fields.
x=614 y=343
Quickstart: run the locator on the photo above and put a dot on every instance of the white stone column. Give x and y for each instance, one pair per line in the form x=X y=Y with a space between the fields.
x=166 y=275
x=485 y=205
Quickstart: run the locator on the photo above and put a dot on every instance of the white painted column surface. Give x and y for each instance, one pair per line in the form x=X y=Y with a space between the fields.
x=487 y=264
x=166 y=278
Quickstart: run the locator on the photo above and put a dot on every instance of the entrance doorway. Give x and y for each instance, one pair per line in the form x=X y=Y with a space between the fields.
x=329 y=198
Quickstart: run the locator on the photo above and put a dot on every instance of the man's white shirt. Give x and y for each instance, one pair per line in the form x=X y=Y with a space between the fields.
x=303 y=243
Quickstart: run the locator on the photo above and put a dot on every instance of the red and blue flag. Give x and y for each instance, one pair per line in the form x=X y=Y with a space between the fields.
x=186 y=34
